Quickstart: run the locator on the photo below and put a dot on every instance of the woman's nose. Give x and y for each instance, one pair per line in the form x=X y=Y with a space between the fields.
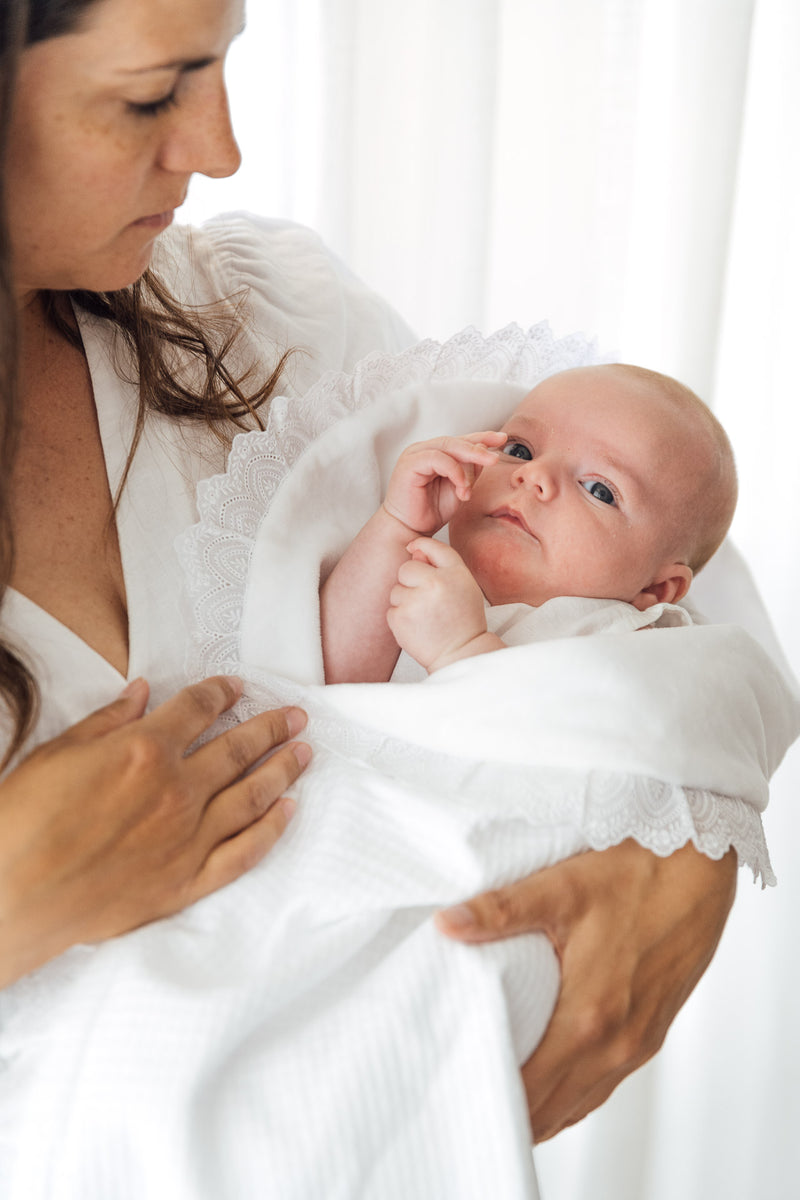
x=202 y=139
x=537 y=475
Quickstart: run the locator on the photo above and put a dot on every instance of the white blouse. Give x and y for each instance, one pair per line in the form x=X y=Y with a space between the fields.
x=297 y=295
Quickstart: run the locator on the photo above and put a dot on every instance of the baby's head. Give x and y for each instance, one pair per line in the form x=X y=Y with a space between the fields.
x=615 y=482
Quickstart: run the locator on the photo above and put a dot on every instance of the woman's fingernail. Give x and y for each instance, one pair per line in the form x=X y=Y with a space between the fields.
x=295 y=720
x=460 y=917
x=287 y=807
x=302 y=752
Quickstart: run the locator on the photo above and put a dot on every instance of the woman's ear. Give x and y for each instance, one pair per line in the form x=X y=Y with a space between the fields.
x=669 y=587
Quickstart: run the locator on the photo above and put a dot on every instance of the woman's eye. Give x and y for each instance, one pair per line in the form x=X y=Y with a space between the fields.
x=152 y=108
x=517 y=450
x=600 y=491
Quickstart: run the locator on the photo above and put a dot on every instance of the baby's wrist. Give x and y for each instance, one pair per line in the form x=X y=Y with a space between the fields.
x=397 y=526
x=479 y=643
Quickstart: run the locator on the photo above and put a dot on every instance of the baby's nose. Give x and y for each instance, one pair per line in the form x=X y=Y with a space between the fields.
x=537 y=475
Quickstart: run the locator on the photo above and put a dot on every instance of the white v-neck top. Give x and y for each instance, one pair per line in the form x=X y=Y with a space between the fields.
x=298 y=295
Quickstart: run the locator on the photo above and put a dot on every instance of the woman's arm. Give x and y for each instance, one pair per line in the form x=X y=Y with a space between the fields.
x=112 y=825
x=633 y=933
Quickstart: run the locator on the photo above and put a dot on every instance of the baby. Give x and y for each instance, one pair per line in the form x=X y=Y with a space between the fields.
x=608 y=481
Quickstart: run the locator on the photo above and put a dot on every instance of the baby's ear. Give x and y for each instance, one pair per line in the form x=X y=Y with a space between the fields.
x=669 y=587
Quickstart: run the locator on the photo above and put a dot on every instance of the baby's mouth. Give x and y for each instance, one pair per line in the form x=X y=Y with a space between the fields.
x=510 y=517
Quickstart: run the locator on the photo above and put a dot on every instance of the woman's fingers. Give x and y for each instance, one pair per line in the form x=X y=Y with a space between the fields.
x=119 y=827
x=634 y=932
x=222 y=761
x=235 y=807
x=236 y=855
x=128 y=706
x=191 y=711
x=531 y=905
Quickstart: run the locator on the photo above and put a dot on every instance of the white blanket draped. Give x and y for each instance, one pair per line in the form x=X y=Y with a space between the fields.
x=306 y=1032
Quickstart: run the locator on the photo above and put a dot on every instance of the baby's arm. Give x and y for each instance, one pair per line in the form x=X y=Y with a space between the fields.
x=428 y=483
x=437 y=612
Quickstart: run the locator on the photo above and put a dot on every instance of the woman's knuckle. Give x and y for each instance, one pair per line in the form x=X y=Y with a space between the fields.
x=258 y=797
x=249 y=854
x=240 y=755
x=630 y=1050
x=642 y=1045
x=145 y=753
x=502 y=910
x=600 y=1023
x=204 y=699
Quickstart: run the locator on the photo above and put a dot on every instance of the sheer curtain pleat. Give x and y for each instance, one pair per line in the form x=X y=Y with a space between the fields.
x=630 y=168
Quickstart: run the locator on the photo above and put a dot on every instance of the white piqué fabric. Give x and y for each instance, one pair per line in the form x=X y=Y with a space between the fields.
x=306 y=1032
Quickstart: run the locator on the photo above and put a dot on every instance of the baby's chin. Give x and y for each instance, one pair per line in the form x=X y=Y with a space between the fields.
x=510 y=591
x=500 y=581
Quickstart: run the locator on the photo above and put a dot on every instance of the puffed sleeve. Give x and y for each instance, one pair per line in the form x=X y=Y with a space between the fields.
x=294 y=292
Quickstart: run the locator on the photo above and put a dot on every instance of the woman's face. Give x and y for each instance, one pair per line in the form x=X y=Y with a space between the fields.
x=110 y=123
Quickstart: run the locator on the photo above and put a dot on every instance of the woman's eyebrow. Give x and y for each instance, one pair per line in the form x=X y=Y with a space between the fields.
x=181 y=64
x=177 y=64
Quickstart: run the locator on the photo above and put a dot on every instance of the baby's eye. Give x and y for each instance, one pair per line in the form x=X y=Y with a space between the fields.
x=517 y=450
x=600 y=491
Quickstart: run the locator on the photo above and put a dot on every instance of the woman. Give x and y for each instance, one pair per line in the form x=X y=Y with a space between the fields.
x=107 y=825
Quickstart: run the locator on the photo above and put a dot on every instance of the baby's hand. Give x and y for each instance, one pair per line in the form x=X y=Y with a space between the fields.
x=437 y=608
x=432 y=478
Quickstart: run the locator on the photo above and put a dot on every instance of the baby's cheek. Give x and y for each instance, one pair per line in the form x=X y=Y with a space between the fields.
x=501 y=572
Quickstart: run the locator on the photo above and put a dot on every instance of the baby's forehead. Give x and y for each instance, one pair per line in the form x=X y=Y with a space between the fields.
x=624 y=402
x=575 y=384
x=624 y=419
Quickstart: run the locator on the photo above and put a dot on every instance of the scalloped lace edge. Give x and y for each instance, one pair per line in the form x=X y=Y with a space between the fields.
x=216 y=553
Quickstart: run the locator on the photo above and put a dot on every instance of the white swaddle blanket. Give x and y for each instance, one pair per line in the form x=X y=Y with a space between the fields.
x=306 y=1033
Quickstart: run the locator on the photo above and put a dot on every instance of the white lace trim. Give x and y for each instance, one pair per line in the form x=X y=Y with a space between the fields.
x=216 y=555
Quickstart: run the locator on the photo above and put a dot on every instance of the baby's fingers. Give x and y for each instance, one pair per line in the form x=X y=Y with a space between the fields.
x=435 y=553
x=489 y=438
x=479 y=449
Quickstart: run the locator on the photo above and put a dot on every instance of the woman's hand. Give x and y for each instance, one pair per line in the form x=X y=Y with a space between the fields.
x=112 y=825
x=634 y=933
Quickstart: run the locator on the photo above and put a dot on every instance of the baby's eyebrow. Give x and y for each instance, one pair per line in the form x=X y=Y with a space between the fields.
x=619 y=467
x=519 y=419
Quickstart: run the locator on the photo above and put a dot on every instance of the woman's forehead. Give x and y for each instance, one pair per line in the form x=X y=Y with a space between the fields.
x=118 y=36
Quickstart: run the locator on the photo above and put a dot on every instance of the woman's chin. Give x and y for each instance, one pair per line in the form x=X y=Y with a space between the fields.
x=111 y=276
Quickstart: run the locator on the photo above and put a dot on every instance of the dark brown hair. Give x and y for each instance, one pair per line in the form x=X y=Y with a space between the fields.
x=156 y=327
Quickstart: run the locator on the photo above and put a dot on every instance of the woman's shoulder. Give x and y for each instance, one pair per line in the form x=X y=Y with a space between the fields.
x=295 y=289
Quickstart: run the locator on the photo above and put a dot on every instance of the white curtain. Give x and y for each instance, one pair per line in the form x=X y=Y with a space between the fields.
x=630 y=168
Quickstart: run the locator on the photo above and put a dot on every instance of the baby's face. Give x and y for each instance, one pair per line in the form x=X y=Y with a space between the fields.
x=587 y=496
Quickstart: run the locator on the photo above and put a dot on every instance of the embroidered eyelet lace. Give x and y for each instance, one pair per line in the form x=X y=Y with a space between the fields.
x=216 y=554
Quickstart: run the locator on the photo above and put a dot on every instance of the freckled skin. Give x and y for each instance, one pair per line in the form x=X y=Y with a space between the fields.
x=83 y=167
